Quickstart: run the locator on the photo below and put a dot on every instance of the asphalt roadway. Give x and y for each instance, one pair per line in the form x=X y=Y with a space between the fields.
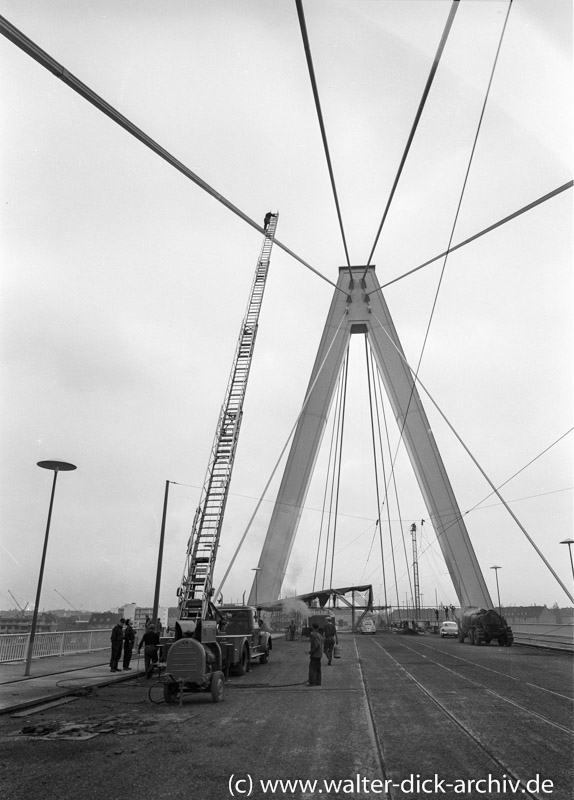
x=396 y=717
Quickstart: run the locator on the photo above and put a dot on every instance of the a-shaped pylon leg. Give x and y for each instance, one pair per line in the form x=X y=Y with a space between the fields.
x=358 y=306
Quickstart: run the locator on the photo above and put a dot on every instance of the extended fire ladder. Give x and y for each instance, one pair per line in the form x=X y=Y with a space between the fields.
x=196 y=587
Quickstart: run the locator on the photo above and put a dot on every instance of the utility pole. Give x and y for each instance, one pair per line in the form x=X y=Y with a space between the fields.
x=496 y=568
x=417 y=599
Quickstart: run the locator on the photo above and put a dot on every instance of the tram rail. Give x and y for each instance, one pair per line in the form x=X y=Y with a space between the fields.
x=411 y=661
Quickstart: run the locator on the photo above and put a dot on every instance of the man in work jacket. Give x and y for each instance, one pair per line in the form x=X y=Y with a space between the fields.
x=150 y=641
x=331 y=639
x=117 y=639
x=316 y=653
x=129 y=639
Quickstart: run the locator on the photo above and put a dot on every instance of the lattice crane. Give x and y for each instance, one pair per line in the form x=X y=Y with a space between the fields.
x=69 y=602
x=22 y=610
x=196 y=587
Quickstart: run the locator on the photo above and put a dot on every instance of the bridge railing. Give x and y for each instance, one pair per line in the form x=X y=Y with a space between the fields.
x=544 y=634
x=14 y=646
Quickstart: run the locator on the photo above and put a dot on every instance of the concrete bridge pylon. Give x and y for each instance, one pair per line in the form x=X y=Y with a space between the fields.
x=358 y=306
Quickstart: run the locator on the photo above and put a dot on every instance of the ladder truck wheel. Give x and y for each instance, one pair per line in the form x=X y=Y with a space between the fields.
x=217 y=687
x=170 y=691
x=243 y=665
x=265 y=657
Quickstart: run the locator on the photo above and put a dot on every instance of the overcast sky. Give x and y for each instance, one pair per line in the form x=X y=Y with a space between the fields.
x=124 y=284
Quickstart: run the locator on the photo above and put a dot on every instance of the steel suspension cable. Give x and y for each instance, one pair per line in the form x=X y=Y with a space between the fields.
x=307 y=46
x=465 y=181
x=459 y=205
x=44 y=59
x=331 y=480
x=474 y=460
x=433 y=565
x=281 y=454
x=490 y=228
x=377 y=525
x=463 y=189
x=546 y=449
x=517 y=213
x=379 y=504
x=484 y=499
x=380 y=404
x=392 y=477
x=340 y=461
x=329 y=463
x=442 y=43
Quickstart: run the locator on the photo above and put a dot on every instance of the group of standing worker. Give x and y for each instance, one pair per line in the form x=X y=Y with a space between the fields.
x=123 y=638
x=320 y=645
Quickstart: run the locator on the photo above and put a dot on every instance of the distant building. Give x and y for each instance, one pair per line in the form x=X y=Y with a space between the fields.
x=554 y=616
x=13 y=613
x=516 y=614
x=71 y=620
x=100 y=620
x=21 y=624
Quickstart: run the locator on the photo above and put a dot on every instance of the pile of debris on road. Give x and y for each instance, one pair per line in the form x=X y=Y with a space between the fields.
x=124 y=725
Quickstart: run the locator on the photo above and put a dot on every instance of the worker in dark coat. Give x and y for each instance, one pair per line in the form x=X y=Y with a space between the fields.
x=129 y=639
x=331 y=639
x=117 y=640
x=149 y=641
x=315 y=653
x=267 y=219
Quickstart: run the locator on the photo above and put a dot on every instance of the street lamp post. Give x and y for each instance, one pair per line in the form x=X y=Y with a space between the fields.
x=569 y=542
x=256 y=570
x=496 y=568
x=55 y=466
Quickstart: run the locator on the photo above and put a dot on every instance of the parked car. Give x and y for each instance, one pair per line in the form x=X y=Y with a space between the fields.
x=368 y=626
x=448 y=629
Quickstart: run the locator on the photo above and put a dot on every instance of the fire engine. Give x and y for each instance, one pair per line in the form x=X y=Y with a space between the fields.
x=209 y=641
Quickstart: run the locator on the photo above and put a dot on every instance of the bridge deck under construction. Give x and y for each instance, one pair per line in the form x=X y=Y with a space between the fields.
x=397 y=715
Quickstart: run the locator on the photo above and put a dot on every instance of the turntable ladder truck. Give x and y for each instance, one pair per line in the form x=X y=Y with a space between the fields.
x=196 y=589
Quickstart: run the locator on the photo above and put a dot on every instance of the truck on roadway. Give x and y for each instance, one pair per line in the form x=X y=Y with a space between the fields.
x=244 y=637
x=480 y=626
x=205 y=651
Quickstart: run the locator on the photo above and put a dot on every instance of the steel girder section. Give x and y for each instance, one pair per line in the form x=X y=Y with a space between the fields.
x=360 y=301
